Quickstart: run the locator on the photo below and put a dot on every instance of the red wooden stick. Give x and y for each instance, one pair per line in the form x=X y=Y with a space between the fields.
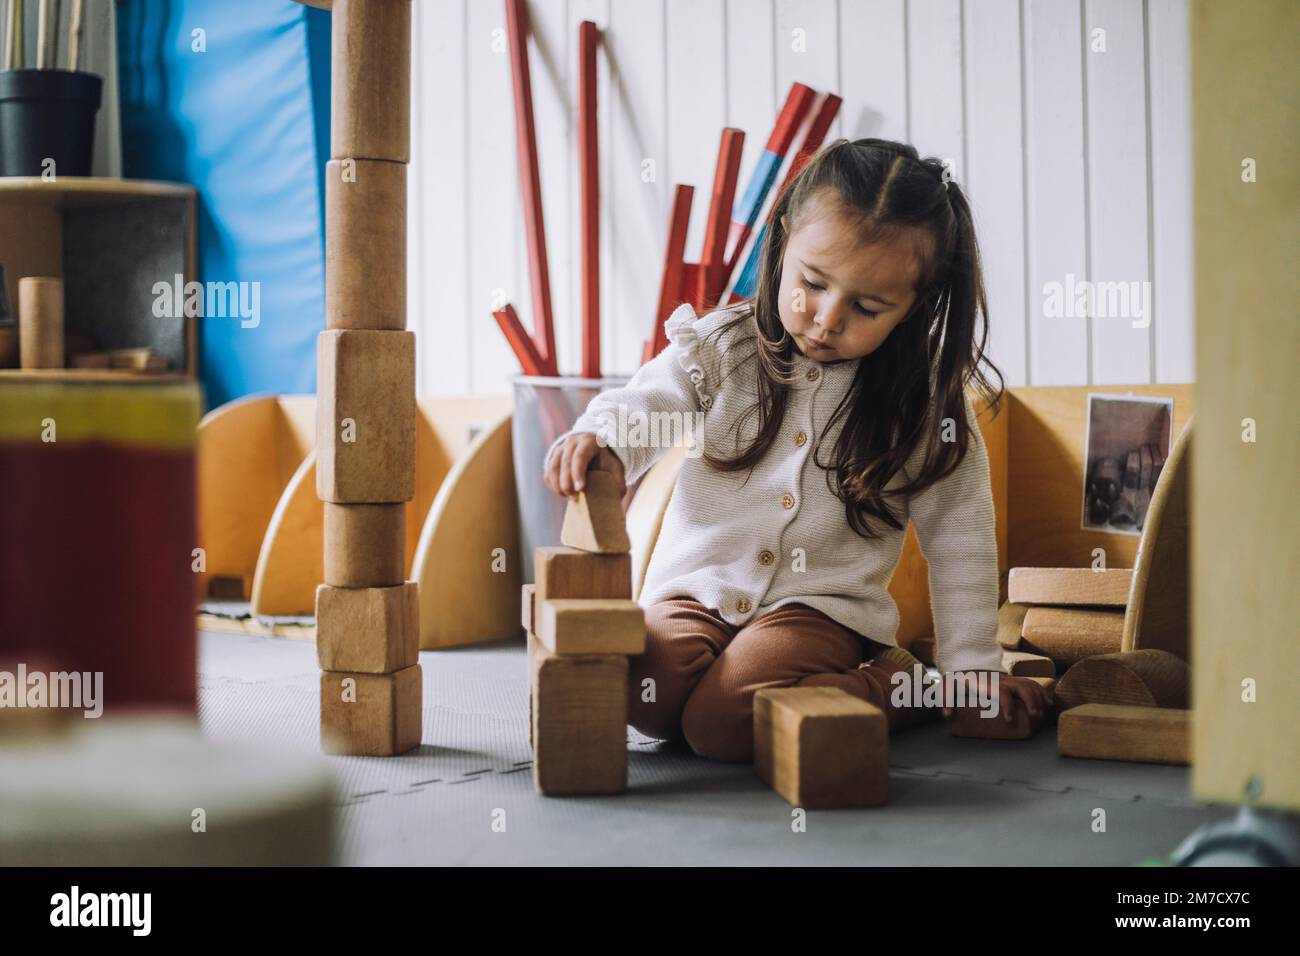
x=530 y=180
x=589 y=173
x=670 y=285
x=713 y=261
x=812 y=141
x=521 y=343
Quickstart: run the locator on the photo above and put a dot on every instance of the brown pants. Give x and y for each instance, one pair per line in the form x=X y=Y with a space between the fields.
x=705 y=671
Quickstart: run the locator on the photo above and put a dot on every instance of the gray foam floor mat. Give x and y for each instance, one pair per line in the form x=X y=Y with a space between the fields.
x=465 y=796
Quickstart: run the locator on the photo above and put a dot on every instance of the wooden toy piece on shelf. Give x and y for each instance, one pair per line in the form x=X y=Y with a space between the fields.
x=1119 y=732
x=374 y=715
x=1069 y=634
x=820 y=748
x=1145 y=678
x=595 y=521
x=1070 y=587
x=369 y=630
x=578 y=721
x=972 y=722
x=40 y=322
x=591 y=626
x=563 y=572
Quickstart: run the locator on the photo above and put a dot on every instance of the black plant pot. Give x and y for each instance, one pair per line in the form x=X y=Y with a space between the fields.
x=44 y=115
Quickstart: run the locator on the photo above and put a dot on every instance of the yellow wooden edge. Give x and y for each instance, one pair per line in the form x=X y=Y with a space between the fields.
x=291 y=561
x=146 y=416
x=645 y=514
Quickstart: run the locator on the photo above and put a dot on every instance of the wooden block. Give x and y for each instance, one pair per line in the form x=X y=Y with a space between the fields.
x=579 y=722
x=1024 y=664
x=1069 y=634
x=370 y=84
x=1119 y=732
x=595 y=522
x=40 y=322
x=924 y=649
x=821 y=748
x=591 y=626
x=365 y=545
x=1070 y=587
x=569 y=573
x=373 y=715
x=1145 y=678
x=365 y=245
x=971 y=722
x=1011 y=620
x=91 y=360
x=365 y=417
x=137 y=360
x=528 y=604
x=368 y=630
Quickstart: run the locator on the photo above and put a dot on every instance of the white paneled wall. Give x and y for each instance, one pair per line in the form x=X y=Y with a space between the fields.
x=1066 y=120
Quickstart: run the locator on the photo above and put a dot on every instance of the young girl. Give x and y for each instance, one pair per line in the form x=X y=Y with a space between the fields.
x=834 y=412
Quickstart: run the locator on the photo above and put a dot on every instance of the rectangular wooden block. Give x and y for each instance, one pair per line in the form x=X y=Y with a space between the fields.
x=365 y=416
x=368 y=630
x=1121 y=732
x=1069 y=634
x=563 y=572
x=373 y=715
x=579 y=722
x=821 y=748
x=1011 y=620
x=591 y=626
x=365 y=245
x=1025 y=664
x=595 y=521
x=365 y=545
x=971 y=722
x=370 y=79
x=527 y=608
x=1070 y=587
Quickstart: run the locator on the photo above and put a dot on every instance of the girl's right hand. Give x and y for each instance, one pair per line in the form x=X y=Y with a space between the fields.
x=565 y=471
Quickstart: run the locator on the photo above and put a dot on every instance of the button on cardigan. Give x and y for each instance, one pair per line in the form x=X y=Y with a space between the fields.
x=747 y=542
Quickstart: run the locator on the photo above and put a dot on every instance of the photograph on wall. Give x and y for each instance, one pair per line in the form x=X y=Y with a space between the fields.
x=1127 y=442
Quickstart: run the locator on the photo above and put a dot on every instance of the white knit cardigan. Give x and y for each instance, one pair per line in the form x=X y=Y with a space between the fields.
x=744 y=543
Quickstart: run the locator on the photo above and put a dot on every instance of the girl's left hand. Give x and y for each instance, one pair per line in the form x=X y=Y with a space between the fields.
x=1036 y=698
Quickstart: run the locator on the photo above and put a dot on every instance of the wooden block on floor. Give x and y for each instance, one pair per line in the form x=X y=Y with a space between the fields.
x=971 y=722
x=365 y=245
x=1119 y=732
x=1025 y=664
x=370 y=79
x=821 y=748
x=1070 y=587
x=591 y=626
x=365 y=416
x=569 y=573
x=365 y=545
x=595 y=521
x=579 y=722
x=372 y=715
x=369 y=630
x=1011 y=620
x=528 y=608
x=1143 y=678
x=1069 y=634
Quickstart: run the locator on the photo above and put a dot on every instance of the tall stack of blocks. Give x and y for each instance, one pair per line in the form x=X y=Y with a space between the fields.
x=367 y=613
x=582 y=624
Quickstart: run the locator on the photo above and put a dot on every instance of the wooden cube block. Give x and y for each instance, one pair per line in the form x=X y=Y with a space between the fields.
x=1069 y=634
x=595 y=521
x=1119 y=732
x=1011 y=620
x=1070 y=587
x=365 y=545
x=579 y=722
x=365 y=245
x=970 y=721
x=569 y=573
x=369 y=630
x=591 y=626
x=1024 y=664
x=370 y=81
x=1142 y=678
x=375 y=715
x=821 y=748
x=528 y=604
x=365 y=416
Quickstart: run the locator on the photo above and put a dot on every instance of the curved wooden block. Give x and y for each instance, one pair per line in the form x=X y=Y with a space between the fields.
x=645 y=515
x=1158 y=616
x=462 y=599
x=291 y=563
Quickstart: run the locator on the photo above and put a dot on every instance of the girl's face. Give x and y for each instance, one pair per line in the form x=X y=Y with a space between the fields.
x=839 y=298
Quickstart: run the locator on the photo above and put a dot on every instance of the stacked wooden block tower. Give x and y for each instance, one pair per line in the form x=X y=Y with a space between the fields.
x=367 y=613
x=582 y=624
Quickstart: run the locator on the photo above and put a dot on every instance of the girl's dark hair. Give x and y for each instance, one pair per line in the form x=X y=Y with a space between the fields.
x=906 y=389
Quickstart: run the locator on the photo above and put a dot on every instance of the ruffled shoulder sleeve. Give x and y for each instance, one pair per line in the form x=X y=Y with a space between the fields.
x=682 y=330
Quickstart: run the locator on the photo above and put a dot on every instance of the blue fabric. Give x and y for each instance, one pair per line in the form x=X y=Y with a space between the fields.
x=242 y=122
